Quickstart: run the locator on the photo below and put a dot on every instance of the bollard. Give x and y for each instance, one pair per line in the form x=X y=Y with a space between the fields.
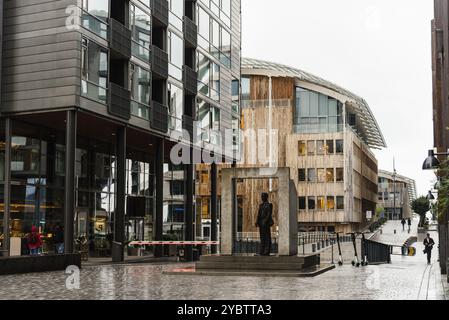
x=313 y=247
x=327 y=243
x=381 y=231
x=394 y=231
x=318 y=246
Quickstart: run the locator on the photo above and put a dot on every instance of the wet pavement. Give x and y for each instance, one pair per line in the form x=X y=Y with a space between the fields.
x=407 y=278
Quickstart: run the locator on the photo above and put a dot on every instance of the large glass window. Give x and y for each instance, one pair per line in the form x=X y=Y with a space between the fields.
x=140 y=91
x=140 y=25
x=208 y=77
x=316 y=113
x=246 y=88
x=176 y=55
x=176 y=13
x=94 y=75
x=175 y=106
x=95 y=16
x=203 y=28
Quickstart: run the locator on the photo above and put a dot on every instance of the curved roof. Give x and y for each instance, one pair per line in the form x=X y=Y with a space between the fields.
x=371 y=130
x=411 y=184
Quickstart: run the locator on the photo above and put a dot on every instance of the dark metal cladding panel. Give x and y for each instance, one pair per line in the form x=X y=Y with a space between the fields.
x=159 y=65
x=159 y=117
x=120 y=101
x=120 y=38
x=190 y=80
x=187 y=124
x=190 y=33
x=159 y=10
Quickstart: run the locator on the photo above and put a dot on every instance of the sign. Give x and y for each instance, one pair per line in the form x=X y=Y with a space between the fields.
x=369 y=215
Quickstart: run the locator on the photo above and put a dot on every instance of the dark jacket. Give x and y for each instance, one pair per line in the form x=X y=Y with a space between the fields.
x=59 y=235
x=429 y=243
x=265 y=215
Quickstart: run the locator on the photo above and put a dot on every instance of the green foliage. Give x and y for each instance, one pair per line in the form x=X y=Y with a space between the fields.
x=421 y=206
x=442 y=206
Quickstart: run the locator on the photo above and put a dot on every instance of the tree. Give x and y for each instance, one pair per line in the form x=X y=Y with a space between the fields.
x=421 y=206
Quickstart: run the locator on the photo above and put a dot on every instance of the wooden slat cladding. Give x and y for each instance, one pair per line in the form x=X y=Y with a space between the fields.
x=41 y=56
x=282 y=88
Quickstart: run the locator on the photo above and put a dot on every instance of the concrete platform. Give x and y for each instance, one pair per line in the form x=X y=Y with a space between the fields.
x=273 y=266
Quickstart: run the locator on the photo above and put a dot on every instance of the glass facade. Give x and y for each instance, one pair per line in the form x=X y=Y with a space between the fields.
x=317 y=113
x=140 y=25
x=140 y=81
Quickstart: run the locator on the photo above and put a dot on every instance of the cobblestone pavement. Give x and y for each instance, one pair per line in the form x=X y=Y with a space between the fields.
x=407 y=278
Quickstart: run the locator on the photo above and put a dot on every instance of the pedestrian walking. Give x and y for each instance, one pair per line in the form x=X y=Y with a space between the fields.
x=409 y=221
x=403 y=224
x=59 y=240
x=428 y=247
x=34 y=241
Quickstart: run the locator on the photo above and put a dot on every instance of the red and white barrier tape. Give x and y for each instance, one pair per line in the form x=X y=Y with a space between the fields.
x=155 y=243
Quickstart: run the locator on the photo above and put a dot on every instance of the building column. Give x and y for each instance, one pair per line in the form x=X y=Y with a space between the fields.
x=118 y=254
x=69 y=204
x=159 y=216
x=7 y=188
x=214 y=207
x=188 y=209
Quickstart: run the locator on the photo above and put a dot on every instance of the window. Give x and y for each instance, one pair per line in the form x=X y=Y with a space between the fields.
x=330 y=203
x=140 y=25
x=209 y=122
x=302 y=203
x=320 y=147
x=140 y=91
x=340 y=203
x=94 y=74
x=176 y=13
x=175 y=107
x=339 y=146
x=339 y=173
x=311 y=148
x=330 y=175
x=208 y=77
x=311 y=202
x=95 y=16
x=176 y=55
x=329 y=146
x=302 y=148
x=311 y=175
x=321 y=173
x=321 y=204
x=235 y=92
x=203 y=28
x=302 y=175
x=177 y=187
x=246 y=88
x=317 y=113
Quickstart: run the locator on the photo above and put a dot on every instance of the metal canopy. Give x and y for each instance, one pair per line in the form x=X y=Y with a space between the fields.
x=370 y=133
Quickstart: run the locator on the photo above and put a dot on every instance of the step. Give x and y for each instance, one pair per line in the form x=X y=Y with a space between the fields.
x=260 y=259
x=248 y=266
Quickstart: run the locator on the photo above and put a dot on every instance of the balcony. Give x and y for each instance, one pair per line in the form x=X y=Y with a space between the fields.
x=159 y=63
x=120 y=39
x=190 y=80
x=190 y=33
x=159 y=117
x=119 y=101
x=159 y=11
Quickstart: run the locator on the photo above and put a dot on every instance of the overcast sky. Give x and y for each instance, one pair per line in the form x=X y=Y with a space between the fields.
x=378 y=49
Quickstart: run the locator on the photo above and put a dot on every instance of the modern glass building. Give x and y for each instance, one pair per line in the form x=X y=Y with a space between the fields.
x=95 y=95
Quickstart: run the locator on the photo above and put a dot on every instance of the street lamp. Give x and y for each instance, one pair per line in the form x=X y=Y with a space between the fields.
x=431 y=162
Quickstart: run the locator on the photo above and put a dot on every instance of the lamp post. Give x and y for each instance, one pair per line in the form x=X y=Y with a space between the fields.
x=432 y=163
